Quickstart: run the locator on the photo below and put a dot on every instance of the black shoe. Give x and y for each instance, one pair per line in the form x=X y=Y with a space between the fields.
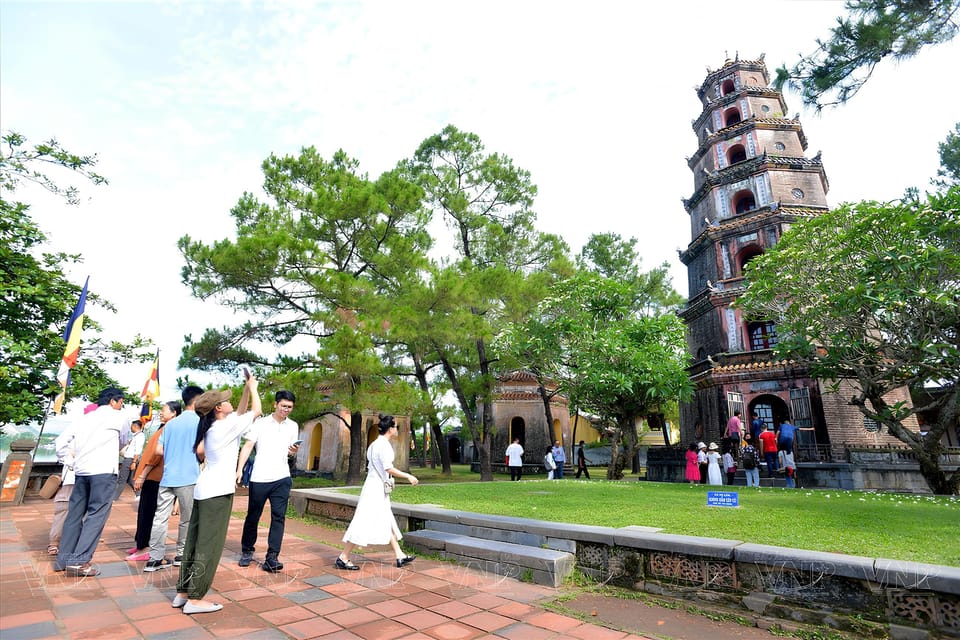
x=156 y=565
x=245 y=559
x=177 y=560
x=347 y=566
x=405 y=560
x=272 y=565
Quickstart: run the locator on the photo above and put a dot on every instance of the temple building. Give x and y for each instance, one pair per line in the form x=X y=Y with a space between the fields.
x=752 y=179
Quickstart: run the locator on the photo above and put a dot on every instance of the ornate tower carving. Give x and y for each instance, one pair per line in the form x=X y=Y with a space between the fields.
x=752 y=180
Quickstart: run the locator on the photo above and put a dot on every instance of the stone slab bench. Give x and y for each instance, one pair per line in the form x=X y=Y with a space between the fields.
x=542 y=566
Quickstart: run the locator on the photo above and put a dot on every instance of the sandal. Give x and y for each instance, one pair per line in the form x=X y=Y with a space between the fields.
x=52 y=550
x=349 y=566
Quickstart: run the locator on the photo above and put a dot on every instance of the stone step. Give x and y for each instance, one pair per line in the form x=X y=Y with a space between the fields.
x=522 y=562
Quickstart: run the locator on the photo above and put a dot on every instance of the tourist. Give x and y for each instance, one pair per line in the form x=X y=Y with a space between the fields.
x=95 y=440
x=789 y=467
x=560 y=458
x=729 y=464
x=276 y=440
x=549 y=464
x=147 y=484
x=713 y=465
x=693 y=466
x=582 y=462
x=373 y=521
x=733 y=429
x=769 y=446
x=130 y=456
x=756 y=426
x=180 y=471
x=751 y=461
x=702 y=461
x=217 y=444
x=514 y=455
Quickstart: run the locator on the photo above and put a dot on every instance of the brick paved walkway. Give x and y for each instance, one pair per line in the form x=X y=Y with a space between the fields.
x=427 y=600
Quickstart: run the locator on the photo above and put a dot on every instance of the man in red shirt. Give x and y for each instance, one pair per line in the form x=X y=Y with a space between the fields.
x=768 y=440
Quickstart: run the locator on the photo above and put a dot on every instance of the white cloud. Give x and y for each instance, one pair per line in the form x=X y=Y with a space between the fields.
x=183 y=101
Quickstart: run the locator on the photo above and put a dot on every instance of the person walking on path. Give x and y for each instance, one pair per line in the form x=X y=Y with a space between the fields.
x=713 y=465
x=373 y=521
x=218 y=445
x=514 y=455
x=180 y=471
x=95 y=438
x=769 y=445
x=582 y=462
x=751 y=462
x=147 y=484
x=693 y=467
x=560 y=458
x=275 y=438
x=130 y=456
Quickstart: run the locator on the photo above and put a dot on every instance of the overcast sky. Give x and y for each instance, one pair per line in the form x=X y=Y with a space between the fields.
x=183 y=101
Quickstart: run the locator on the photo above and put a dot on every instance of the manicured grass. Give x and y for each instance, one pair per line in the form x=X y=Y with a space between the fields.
x=882 y=525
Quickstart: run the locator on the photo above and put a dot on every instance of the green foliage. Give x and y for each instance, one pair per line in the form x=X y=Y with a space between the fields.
x=870 y=293
x=949 y=171
x=872 y=30
x=36 y=298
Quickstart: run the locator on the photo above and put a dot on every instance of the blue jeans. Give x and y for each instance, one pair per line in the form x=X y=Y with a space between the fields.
x=89 y=509
x=771 y=458
x=753 y=477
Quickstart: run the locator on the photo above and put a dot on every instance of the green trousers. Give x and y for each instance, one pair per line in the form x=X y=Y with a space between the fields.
x=206 y=536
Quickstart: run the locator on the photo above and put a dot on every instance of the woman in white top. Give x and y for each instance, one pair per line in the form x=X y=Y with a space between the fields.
x=218 y=445
x=373 y=521
x=713 y=465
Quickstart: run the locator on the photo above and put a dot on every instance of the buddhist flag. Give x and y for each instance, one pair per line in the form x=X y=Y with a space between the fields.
x=151 y=391
x=71 y=335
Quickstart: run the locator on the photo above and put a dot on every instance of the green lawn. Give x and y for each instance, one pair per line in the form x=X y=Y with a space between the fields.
x=883 y=525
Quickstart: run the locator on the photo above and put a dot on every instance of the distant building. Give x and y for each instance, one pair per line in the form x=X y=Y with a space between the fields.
x=752 y=180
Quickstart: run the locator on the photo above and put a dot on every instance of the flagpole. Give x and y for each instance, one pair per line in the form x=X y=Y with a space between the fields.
x=46 y=414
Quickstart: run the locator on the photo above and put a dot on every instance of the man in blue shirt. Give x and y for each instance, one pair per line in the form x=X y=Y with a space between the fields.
x=559 y=458
x=180 y=472
x=786 y=436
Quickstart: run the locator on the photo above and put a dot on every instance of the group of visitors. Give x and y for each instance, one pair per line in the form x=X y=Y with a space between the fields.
x=194 y=459
x=703 y=462
x=554 y=458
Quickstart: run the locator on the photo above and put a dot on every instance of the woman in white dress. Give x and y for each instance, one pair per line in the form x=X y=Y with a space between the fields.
x=373 y=521
x=713 y=465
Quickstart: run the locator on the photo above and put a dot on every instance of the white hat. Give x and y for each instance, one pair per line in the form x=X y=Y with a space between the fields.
x=700 y=445
x=713 y=446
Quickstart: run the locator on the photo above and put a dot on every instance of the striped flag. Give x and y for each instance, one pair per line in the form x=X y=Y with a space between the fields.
x=151 y=391
x=71 y=335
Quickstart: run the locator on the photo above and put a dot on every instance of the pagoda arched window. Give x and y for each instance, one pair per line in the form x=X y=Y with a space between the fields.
x=727 y=87
x=744 y=201
x=736 y=154
x=731 y=117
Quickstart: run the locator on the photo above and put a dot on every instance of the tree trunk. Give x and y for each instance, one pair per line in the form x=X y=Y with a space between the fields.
x=547 y=411
x=358 y=449
x=433 y=419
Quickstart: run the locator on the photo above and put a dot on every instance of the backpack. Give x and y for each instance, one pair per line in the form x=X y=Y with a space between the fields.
x=750 y=458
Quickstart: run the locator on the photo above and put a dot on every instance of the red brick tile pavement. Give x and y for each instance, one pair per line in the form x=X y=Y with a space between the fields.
x=426 y=600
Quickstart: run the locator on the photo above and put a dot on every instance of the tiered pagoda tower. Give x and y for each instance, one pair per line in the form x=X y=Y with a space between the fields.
x=752 y=180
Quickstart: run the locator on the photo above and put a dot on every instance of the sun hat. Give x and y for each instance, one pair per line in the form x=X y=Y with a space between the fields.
x=700 y=445
x=713 y=446
x=210 y=399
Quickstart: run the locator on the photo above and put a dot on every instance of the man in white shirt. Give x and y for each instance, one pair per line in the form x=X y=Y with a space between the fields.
x=95 y=438
x=276 y=439
x=130 y=455
x=515 y=459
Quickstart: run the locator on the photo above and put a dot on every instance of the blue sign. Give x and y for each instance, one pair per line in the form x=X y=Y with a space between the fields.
x=723 y=499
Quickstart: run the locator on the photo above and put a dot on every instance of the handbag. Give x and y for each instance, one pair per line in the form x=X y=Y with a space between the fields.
x=50 y=486
x=388 y=485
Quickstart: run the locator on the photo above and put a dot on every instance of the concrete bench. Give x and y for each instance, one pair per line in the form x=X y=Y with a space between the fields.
x=542 y=566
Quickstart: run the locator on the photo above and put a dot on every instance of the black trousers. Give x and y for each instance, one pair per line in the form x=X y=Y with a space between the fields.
x=516 y=472
x=145 y=512
x=278 y=493
x=584 y=470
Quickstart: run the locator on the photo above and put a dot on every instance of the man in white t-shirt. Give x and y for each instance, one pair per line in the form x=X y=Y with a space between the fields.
x=276 y=439
x=95 y=441
x=515 y=459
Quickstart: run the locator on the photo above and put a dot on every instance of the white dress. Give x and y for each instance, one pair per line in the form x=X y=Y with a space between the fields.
x=713 y=468
x=373 y=521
